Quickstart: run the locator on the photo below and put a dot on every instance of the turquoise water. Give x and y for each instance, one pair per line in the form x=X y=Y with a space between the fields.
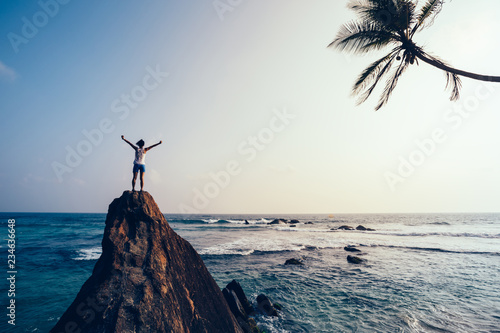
x=423 y=272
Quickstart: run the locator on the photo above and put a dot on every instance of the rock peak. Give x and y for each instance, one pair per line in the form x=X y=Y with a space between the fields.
x=148 y=279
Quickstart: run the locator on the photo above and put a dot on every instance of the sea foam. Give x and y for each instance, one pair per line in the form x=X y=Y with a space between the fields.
x=89 y=254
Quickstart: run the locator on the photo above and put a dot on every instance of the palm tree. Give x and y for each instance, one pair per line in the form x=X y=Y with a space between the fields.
x=394 y=23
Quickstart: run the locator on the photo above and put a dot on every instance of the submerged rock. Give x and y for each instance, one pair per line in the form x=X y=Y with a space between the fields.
x=362 y=228
x=248 y=326
x=351 y=248
x=354 y=259
x=148 y=279
x=293 y=261
x=345 y=227
x=278 y=306
x=278 y=221
x=264 y=304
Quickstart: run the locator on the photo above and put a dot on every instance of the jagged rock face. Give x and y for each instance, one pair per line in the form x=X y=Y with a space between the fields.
x=148 y=279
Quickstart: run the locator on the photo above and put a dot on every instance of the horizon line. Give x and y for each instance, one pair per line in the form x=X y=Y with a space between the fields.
x=208 y=213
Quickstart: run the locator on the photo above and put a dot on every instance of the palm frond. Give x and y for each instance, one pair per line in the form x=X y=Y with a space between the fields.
x=406 y=14
x=378 y=43
x=378 y=73
x=361 y=37
x=384 y=13
x=427 y=14
x=366 y=8
x=359 y=6
x=453 y=81
x=370 y=73
x=391 y=84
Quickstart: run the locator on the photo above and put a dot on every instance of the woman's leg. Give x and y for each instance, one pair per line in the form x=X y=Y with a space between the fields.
x=133 y=180
x=142 y=180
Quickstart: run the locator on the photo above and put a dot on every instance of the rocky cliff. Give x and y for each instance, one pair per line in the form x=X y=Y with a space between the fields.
x=148 y=279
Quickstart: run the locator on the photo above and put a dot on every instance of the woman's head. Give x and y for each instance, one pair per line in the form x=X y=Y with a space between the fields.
x=140 y=143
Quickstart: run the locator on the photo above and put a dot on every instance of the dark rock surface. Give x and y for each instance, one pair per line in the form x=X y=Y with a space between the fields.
x=234 y=304
x=293 y=261
x=362 y=228
x=237 y=293
x=351 y=248
x=354 y=259
x=345 y=227
x=240 y=306
x=264 y=304
x=148 y=279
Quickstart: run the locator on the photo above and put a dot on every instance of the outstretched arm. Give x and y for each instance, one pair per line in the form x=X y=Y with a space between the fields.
x=159 y=143
x=131 y=145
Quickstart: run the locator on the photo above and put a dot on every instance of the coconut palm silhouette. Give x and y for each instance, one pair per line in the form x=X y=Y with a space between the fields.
x=393 y=23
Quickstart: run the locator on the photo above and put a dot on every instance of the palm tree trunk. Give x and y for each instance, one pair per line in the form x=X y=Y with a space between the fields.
x=446 y=68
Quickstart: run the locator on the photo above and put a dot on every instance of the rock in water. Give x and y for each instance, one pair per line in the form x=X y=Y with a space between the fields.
x=345 y=227
x=240 y=306
x=264 y=304
x=293 y=261
x=351 y=248
x=235 y=287
x=355 y=260
x=148 y=279
x=362 y=228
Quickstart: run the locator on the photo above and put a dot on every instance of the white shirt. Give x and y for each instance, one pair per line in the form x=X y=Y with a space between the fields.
x=140 y=156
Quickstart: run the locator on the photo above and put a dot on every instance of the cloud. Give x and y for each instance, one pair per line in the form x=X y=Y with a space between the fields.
x=7 y=72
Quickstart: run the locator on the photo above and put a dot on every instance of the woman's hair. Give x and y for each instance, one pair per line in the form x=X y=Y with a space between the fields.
x=140 y=143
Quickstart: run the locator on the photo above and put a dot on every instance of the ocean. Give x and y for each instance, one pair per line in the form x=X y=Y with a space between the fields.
x=422 y=272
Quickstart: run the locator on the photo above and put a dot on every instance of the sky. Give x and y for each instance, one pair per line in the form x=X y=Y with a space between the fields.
x=254 y=111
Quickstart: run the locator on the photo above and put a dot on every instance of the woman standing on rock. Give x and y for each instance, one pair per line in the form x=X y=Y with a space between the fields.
x=139 y=162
